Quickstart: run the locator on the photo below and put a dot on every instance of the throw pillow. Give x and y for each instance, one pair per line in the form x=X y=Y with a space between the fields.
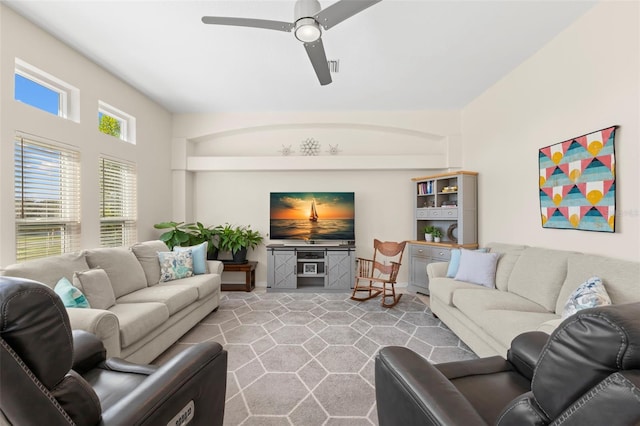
x=478 y=268
x=147 y=254
x=199 y=254
x=97 y=287
x=175 y=265
x=71 y=296
x=454 y=261
x=589 y=294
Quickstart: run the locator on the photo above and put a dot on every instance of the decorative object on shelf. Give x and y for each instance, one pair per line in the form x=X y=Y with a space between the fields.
x=577 y=183
x=286 y=150
x=333 y=150
x=310 y=147
x=448 y=189
x=310 y=269
x=437 y=235
x=450 y=203
x=428 y=233
x=452 y=233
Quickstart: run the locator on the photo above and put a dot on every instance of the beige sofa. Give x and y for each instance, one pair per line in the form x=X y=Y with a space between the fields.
x=148 y=316
x=532 y=287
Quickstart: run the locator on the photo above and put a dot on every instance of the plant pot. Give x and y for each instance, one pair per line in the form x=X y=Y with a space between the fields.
x=436 y=239
x=428 y=238
x=212 y=254
x=240 y=256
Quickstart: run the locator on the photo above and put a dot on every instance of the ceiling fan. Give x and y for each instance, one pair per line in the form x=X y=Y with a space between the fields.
x=308 y=18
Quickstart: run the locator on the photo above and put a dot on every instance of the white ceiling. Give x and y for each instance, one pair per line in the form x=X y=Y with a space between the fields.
x=395 y=55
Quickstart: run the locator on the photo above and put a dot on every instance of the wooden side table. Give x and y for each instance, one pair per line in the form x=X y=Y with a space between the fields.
x=248 y=268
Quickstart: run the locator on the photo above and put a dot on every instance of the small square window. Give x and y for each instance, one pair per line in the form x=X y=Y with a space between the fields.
x=117 y=123
x=110 y=125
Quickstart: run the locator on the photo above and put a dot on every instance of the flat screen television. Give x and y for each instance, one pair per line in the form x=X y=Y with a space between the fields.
x=312 y=216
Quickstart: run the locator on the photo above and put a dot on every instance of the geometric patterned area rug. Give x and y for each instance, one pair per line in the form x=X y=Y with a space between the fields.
x=308 y=358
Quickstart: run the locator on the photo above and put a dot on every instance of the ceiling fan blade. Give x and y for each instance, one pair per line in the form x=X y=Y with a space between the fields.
x=248 y=22
x=318 y=58
x=341 y=10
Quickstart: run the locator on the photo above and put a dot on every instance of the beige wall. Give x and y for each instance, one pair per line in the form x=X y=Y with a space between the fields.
x=384 y=202
x=19 y=38
x=584 y=80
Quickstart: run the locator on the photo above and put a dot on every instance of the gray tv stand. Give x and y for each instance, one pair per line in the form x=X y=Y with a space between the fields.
x=308 y=267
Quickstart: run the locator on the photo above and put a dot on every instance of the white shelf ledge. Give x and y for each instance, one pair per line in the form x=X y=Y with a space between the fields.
x=324 y=162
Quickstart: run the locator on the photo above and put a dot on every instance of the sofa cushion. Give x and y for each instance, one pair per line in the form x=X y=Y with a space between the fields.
x=478 y=268
x=138 y=319
x=472 y=303
x=620 y=277
x=147 y=254
x=443 y=288
x=175 y=265
x=49 y=270
x=199 y=253
x=122 y=267
x=454 y=261
x=509 y=254
x=205 y=284
x=538 y=275
x=589 y=294
x=175 y=297
x=97 y=287
x=71 y=296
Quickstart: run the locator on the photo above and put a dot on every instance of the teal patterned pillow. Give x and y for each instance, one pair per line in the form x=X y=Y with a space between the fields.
x=589 y=294
x=71 y=296
x=175 y=265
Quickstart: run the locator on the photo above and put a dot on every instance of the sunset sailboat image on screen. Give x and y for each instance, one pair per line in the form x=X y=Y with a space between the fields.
x=313 y=216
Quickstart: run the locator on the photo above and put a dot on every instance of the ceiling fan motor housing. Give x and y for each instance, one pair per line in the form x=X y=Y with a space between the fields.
x=306 y=9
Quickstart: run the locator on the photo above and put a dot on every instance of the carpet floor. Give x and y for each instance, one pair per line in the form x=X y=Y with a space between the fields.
x=308 y=358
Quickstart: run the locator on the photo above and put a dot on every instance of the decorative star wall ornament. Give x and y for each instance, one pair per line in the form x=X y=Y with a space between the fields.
x=333 y=150
x=310 y=147
x=286 y=150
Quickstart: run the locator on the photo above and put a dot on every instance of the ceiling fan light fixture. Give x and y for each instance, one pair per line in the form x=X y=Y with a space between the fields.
x=307 y=30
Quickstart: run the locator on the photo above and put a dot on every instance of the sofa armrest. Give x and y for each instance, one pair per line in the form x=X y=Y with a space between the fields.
x=437 y=269
x=194 y=381
x=103 y=324
x=411 y=391
x=525 y=350
x=215 y=267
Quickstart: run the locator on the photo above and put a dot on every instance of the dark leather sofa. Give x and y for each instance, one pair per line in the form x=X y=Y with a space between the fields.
x=50 y=375
x=586 y=373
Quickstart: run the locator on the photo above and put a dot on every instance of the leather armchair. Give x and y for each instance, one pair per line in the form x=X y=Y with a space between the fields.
x=586 y=373
x=51 y=375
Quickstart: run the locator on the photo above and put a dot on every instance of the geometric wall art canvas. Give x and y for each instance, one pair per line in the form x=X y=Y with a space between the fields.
x=578 y=183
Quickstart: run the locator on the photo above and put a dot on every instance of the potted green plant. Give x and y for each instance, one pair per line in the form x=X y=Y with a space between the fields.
x=200 y=233
x=176 y=235
x=428 y=233
x=437 y=235
x=237 y=239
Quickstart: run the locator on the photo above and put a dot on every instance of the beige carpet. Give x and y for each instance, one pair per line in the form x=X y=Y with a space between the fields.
x=308 y=358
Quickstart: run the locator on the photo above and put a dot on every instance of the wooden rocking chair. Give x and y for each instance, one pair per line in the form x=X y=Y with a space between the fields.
x=380 y=272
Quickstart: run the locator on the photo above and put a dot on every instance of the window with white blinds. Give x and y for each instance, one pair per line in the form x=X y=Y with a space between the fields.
x=118 y=203
x=47 y=198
